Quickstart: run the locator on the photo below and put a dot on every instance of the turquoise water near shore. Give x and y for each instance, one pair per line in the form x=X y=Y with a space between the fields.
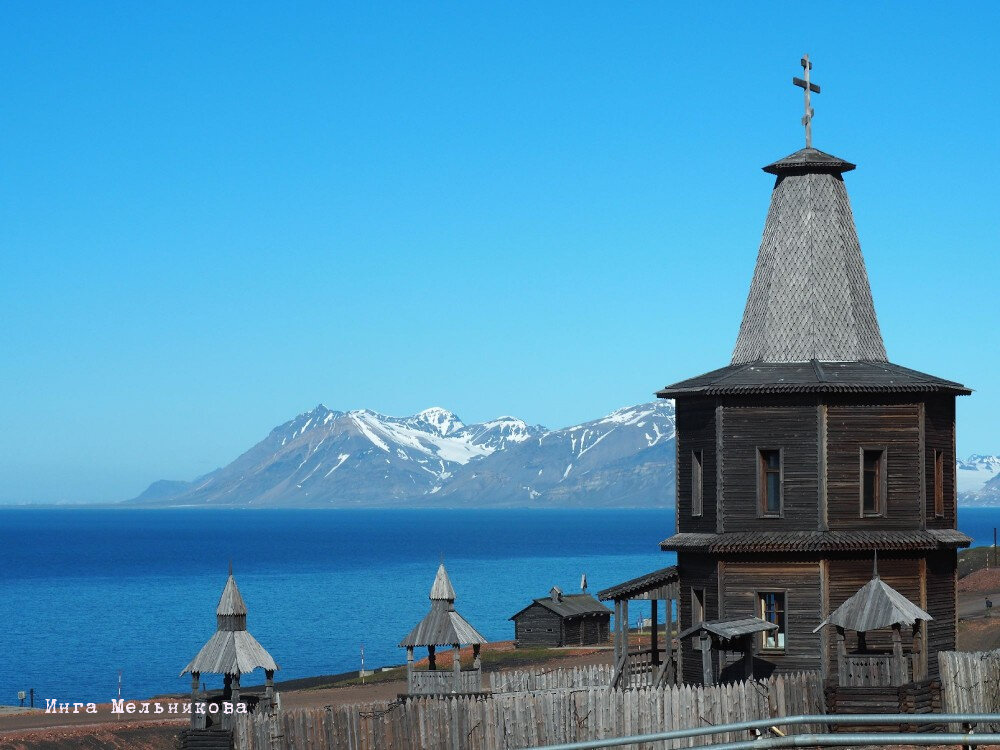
x=86 y=592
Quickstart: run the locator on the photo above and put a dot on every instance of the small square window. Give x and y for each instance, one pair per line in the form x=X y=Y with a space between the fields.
x=769 y=482
x=771 y=605
x=697 y=483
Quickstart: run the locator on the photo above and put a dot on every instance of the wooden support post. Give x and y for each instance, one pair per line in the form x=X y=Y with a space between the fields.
x=269 y=686
x=227 y=719
x=431 y=658
x=841 y=657
x=919 y=653
x=675 y=622
x=409 y=669
x=227 y=687
x=654 y=617
x=617 y=636
x=195 y=679
x=625 y=626
x=899 y=675
x=705 y=643
x=476 y=661
x=748 y=652
x=456 y=667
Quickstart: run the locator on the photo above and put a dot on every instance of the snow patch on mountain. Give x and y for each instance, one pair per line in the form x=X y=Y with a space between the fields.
x=975 y=471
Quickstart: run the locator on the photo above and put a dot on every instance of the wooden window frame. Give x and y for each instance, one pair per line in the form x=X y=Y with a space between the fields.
x=697 y=483
x=882 y=501
x=697 y=604
x=759 y=611
x=938 y=458
x=762 y=511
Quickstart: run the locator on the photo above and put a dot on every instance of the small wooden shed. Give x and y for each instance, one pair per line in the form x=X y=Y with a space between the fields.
x=562 y=620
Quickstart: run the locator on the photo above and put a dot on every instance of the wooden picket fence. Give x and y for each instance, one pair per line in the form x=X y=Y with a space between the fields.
x=509 y=720
x=970 y=682
x=518 y=680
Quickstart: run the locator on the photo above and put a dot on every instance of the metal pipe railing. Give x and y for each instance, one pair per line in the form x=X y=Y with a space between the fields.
x=811 y=740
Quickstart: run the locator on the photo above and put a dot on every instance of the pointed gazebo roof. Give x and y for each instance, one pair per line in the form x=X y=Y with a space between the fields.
x=442 y=589
x=442 y=626
x=231 y=650
x=874 y=606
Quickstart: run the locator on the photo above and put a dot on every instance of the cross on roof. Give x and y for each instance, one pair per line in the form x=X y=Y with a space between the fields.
x=807 y=89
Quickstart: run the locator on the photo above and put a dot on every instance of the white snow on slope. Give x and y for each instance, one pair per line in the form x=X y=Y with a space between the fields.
x=456 y=449
x=975 y=471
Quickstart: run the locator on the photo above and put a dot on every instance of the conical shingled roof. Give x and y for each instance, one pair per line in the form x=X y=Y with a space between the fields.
x=231 y=649
x=810 y=298
x=874 y=606
x=231 y=602
x=442 y=589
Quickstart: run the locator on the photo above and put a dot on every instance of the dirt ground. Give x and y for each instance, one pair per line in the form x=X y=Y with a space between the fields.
x=107 y=736
x=983 y=581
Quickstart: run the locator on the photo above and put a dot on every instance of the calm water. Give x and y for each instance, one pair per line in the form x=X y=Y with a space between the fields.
x=85 y=593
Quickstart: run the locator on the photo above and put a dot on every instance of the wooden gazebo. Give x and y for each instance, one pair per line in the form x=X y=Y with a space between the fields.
x=231 y=652
x=443 y=626
x=658 y=664
x=878 y=606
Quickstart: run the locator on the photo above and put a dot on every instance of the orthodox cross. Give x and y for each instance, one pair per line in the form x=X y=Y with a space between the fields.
x=808 y=88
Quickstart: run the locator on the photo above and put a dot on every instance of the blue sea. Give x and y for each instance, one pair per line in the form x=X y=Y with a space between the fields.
x=85 y=593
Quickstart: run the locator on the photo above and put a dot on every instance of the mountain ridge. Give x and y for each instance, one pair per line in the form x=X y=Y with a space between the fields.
x=360 y=458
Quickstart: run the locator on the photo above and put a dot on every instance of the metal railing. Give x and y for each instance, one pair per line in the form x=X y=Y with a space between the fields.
x=968 y=738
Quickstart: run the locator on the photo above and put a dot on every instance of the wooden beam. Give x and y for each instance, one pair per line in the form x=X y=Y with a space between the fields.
x=719 y=515
x=654 y=616
x=802 y=84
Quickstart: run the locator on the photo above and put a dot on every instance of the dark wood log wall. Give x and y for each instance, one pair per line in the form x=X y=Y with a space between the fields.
x=894 y=427
x=941 y=586
x=800 y=581
x=696 y=431
x=939 y=434
x=791 y=426
x=587 y=631
x=538 y=626
x=697 y=572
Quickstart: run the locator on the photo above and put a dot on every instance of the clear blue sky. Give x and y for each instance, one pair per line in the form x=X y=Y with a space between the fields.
x=213 y=217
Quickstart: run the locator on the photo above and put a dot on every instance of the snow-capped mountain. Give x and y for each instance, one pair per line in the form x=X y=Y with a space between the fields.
x=979 y=480
x=333 y=458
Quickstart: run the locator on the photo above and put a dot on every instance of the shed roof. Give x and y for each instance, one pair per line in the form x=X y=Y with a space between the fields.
x=874 y=606
x=727 y=630
x=641 y=584
x=569 y=605
x=818 y=541
x=231 y=650
x=813 y=376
